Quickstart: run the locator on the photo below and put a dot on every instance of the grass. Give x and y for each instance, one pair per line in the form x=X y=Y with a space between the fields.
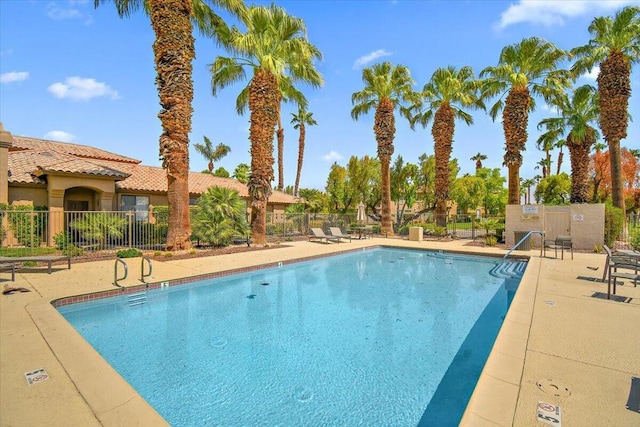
x=22 y=251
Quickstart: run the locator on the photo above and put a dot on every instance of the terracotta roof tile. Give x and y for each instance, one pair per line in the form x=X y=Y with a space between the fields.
x=26 y=143
x=31 y=157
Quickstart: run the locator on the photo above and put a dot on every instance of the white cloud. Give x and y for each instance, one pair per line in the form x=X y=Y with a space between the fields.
x=63 y=13
x=78 y=88
x=366 y=59
x=59 y=135
x=593 y=75
x=14 y=76
x=548 y=13
x=332 y=157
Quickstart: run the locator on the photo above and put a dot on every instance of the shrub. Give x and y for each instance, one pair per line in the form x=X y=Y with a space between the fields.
x=128 y=253
x=613 y=223
x=635 y=240
x=490 y=240
x=72 y=250
x=62 y=240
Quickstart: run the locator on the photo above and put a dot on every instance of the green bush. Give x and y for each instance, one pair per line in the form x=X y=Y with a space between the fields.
x=28 y=223
x=634 y=240
x=62 y=240
x=73 y=250
x=613 y=224
x=129 y=253
x=490 y=240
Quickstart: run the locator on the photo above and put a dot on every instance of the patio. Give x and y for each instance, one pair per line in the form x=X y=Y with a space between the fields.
x=559 y=332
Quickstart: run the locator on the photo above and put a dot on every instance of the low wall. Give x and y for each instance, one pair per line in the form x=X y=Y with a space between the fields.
x=585 y=222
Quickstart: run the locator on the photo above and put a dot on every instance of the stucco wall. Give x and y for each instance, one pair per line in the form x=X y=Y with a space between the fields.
x=28 y=195
x=586 y=223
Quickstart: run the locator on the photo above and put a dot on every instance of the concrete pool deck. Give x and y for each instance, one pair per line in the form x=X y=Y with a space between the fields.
x=559 y=343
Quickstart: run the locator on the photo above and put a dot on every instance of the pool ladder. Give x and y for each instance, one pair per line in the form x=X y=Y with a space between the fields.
x=526 y=236
x=116 y=279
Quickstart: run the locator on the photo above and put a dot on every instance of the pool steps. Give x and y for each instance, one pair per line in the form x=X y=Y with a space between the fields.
x=509 y=270
x=137 y=299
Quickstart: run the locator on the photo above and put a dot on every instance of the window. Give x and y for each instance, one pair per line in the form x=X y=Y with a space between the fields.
x=137 y=204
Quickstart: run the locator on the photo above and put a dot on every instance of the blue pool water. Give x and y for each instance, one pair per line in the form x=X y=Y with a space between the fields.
x=380 y=337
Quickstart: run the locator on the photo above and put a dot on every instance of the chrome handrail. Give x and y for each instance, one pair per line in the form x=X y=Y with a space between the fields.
x=115 y=272
x=541 y=233
x=142 y=275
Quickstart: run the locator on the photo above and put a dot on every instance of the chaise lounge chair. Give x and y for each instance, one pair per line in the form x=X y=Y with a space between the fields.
x=336 y=232
x=318 y=234
x=616 y=261
x=49 y=259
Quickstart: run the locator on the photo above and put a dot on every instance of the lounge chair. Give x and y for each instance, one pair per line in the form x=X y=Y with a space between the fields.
x=560 y=242
x=49 y=259
x=336 y=232
x=318 y=234
x=5 y=266
x=616 y=261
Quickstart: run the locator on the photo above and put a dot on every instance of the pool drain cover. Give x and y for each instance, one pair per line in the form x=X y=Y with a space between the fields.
x=553 y=388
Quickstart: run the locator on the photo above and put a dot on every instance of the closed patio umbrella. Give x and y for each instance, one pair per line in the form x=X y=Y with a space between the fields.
x=361 y=213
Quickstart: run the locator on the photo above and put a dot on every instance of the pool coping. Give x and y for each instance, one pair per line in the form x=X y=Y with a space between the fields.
x=120 y=402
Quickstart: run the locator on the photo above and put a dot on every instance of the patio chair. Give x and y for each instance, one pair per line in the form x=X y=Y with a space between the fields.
x=336 y=232
x=318 y=234
x=9 y=267
x=616 y=261
x=560 y=242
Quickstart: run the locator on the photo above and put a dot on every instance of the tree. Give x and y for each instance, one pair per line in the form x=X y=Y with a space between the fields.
x=545 y=165
x=468 y=192
x=576 y=116
x=275 y=47
x=601 y=177
x=300 y=121
x=221 y=172
x=527 y=184
x=241 y=173
x=386 y=87
x=524 y=70
x=615 y=46
x=478 y=158
x=546 y=142
x=220 y=216
x=336 y=187
x=210 y=153
x=174 y=51
x=404 y=187
x=495 y=198
x=554 y=190
x=444 y=99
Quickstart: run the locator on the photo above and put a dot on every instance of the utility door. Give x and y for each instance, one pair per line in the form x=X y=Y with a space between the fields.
x=557 y=223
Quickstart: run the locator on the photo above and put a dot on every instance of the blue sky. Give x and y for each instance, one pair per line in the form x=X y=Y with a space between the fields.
x=74 y=73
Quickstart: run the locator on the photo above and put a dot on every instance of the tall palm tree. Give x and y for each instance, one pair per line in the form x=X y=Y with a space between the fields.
x=174 y=51
x=478 y=158
x=615 y=46
x=443 y=100
x=288 y=93
x=275 y=47
x=528 y=183
x=524 y=70
x=546 y=142
x=210 y=153
x=300 y=121
x=386 y=87
x=545 y=165
x=559 y=145
x=577 y=115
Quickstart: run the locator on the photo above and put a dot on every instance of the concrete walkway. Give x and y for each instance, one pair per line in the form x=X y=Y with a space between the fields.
x=559 y=344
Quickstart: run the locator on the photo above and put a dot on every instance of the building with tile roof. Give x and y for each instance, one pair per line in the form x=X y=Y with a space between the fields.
x=74 y=177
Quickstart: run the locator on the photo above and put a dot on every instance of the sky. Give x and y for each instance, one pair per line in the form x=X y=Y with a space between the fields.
x=74 y=73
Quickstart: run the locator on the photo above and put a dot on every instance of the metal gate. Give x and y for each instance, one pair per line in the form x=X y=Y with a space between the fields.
x=557 y=223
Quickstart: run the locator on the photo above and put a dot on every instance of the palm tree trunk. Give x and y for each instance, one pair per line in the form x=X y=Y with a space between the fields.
x=579 y=158
x=263 y=104
x=560 y=157
x=174 y=53
x=614 y=89
x=303 y=132
x=442 y=131
x=280 y=135
x=385 y=129
x=514 y=122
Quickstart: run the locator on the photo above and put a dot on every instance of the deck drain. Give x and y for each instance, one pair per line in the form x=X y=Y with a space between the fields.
x=553 y=388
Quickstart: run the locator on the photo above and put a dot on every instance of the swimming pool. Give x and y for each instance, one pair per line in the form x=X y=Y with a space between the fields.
x=379 y=337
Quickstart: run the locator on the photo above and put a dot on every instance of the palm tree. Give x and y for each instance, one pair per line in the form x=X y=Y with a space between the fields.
x=287 y=93
x=524 y=69
x=546 y=142
x=221 y=216
x=577 y=114
x=275 y=47
x=174 y=52
x=545 y=165
x=615 y=47
x=300 y=121
x=528 y=183
x=210 y=153
x=559 y=145
x=385 y=87
x=478 y=158
x=241 y=173
x=443 y=100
